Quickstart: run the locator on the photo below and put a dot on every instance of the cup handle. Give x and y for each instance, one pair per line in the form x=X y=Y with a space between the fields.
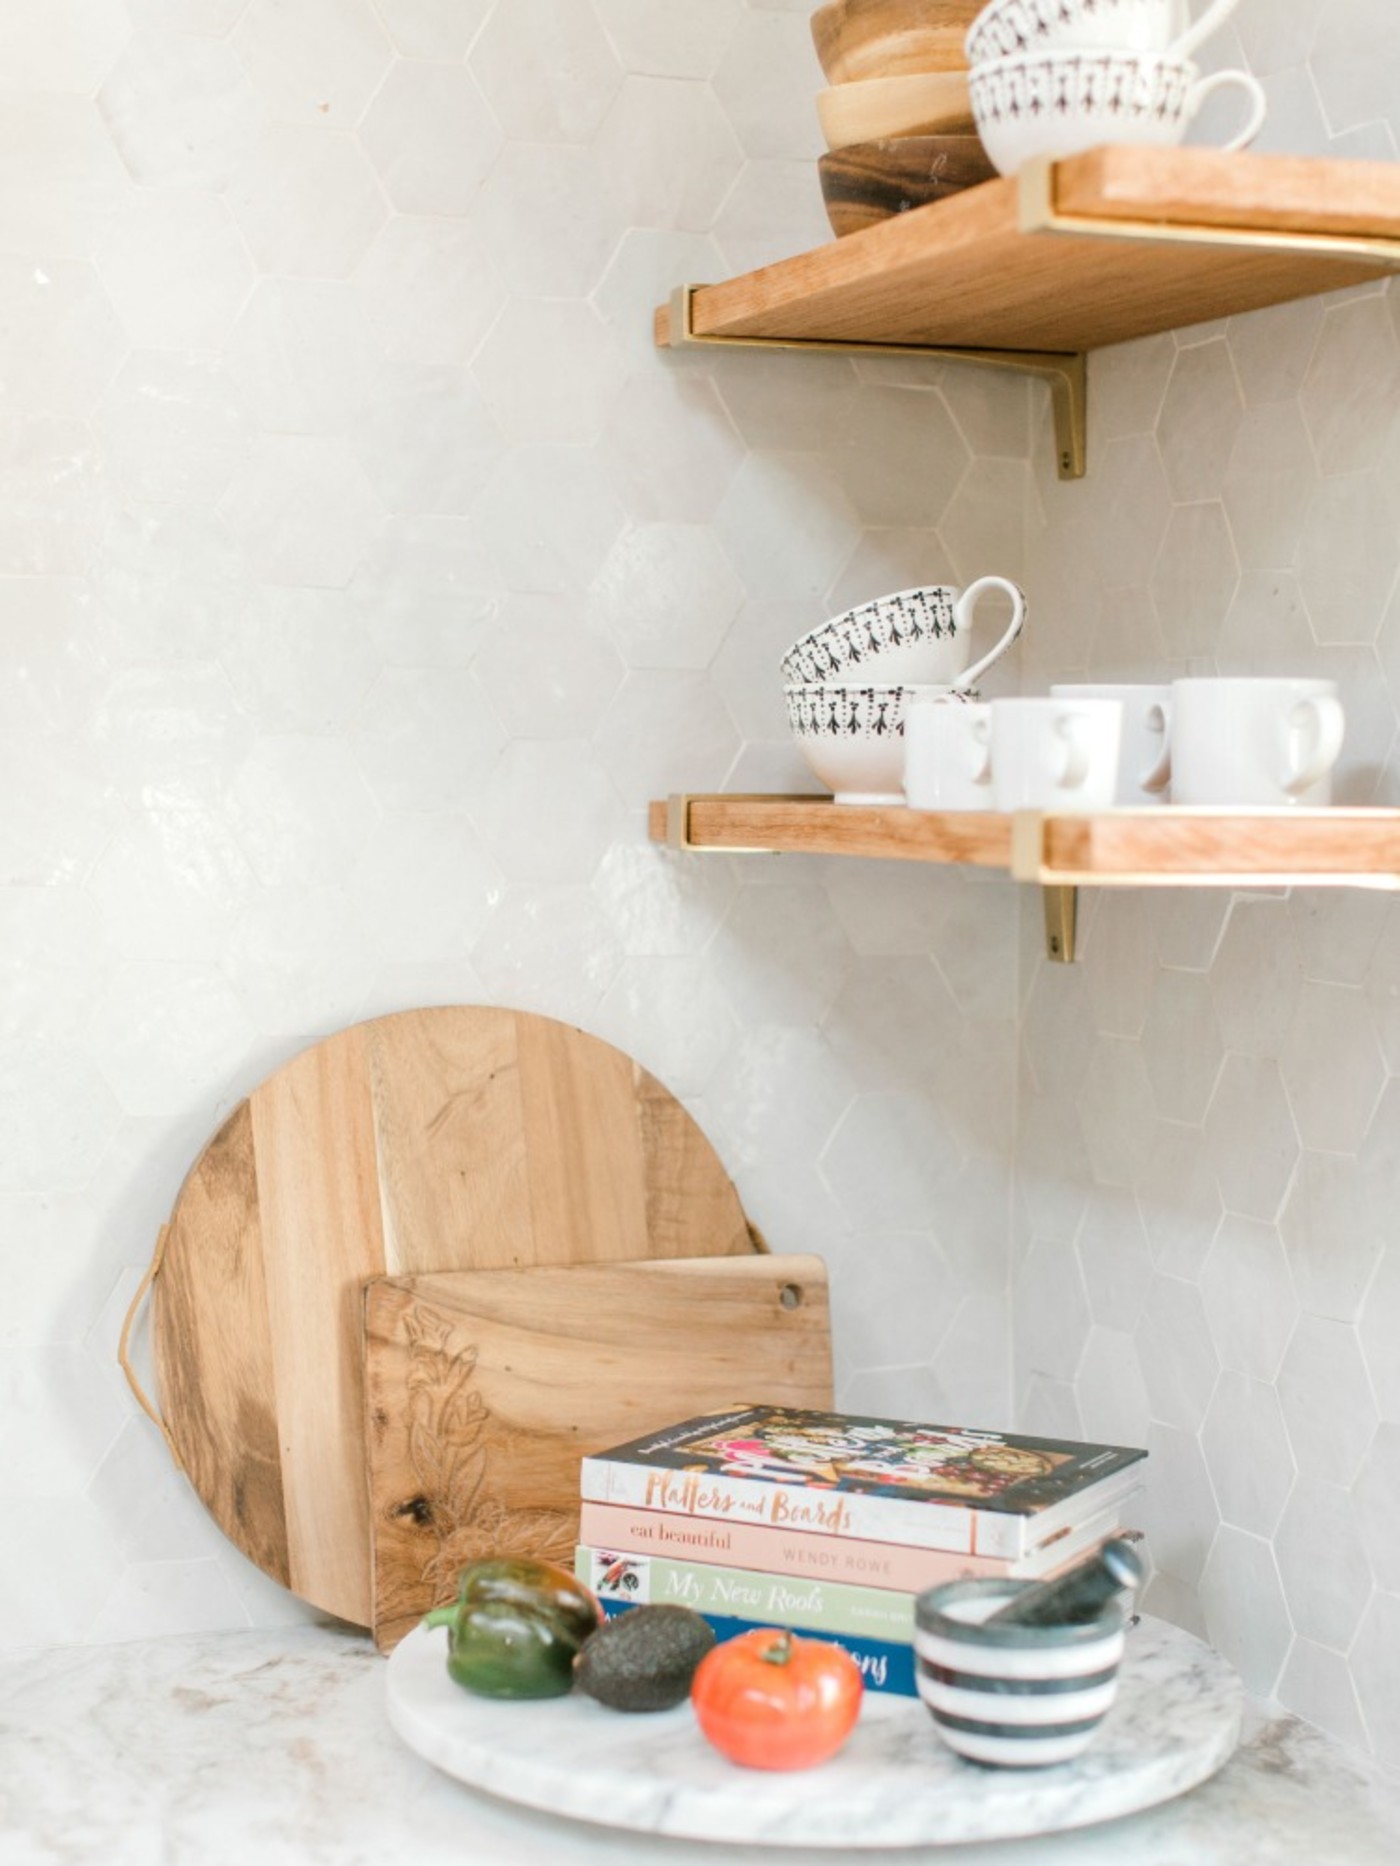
x=1249 y=84
x=1158 y=775
x=1210 y=21
x=1076 y=765
x=962 y=619
x=1328 y=726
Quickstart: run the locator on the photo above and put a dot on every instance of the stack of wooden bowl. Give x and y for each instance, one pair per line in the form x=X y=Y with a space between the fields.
x=896 y=114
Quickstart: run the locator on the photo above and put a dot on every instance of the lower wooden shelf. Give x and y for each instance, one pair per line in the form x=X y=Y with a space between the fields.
x=1168 y=847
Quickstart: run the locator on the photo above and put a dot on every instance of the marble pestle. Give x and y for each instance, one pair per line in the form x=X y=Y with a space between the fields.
x=1079 y=1594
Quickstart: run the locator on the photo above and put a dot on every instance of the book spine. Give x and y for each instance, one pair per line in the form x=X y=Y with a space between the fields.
x=885 y=1664
x=778 y=1551
x=749 y=1500
x=830 y=1607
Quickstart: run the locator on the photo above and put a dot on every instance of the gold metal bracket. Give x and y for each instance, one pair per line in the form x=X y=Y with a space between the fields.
x=678 y=823
x=1061 y=923
x=1064 y=371
x=1036 y=212
x=1061 y=899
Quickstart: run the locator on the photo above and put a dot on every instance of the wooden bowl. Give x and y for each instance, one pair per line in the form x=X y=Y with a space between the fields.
x=869 y=182
x=928 y=103
x=858 y=39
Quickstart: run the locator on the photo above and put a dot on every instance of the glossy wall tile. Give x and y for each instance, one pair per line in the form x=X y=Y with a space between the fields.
x=1237 y=1108
x=363 y=571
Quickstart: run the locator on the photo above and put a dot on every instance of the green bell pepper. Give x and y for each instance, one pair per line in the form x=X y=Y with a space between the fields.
x=515 y=1627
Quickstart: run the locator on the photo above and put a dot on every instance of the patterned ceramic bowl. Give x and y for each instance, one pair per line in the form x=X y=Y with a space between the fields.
x=914 y=635
x=1048 y=105
x=1005 y=27
x=1019 y=1697
x=853 y=737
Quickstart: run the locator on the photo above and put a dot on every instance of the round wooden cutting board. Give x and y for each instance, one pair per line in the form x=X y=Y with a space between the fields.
x=461 y=1138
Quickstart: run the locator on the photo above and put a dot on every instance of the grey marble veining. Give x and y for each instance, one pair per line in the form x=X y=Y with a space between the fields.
x=895 y=1783
x=276 y=1746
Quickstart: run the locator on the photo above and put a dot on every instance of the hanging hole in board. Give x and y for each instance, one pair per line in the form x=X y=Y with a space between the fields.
x=790 y=1295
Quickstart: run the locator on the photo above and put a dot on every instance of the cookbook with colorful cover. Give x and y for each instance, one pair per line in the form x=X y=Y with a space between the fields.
x=745 y=1594
x=890 y=1566
x=616 y=1571
x=843 y=1474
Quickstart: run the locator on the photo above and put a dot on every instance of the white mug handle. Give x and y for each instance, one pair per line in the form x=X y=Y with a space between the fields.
x=1328 y=721
x=1210 y=21
x=1249 y=84
x=962 y=619
x=1075 y=768
x=1158 y=775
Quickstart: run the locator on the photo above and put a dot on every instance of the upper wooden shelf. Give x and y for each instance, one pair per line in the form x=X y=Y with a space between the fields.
x=1166 y=846
x=1068 y=256
x=1032 y=272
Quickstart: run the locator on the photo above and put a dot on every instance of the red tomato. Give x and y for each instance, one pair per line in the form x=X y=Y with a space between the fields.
x=770 y=1700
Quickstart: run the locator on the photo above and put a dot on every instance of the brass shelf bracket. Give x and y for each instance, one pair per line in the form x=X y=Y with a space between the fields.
x=1064 y=371
x=1037 y=213
x=1061 y=923
x=678 y=821
x=1060 y=899
x=678 y=835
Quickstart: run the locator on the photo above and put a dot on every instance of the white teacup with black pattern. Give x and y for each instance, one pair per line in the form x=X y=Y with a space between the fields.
x=914 y=636
x=1049 y=105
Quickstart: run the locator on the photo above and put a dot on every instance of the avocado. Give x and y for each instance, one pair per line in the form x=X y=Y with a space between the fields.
x=644 y=1658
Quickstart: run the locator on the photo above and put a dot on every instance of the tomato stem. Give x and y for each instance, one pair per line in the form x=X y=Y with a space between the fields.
x=779 y=1650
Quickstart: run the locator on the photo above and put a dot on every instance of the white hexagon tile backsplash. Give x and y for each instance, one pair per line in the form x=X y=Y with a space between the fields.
x=364 y=569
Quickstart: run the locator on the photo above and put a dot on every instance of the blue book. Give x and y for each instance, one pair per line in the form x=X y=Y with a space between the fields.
x=885 y=1664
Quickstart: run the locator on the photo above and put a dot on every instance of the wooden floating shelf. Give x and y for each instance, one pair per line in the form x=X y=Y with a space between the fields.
x=1138 y=848
x=1167 y=847
x=1066 y=257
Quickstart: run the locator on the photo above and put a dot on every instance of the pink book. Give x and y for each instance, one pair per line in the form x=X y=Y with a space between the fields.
x=832 y=1558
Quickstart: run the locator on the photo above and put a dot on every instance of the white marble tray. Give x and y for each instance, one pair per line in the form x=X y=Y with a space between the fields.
x=895 y=1784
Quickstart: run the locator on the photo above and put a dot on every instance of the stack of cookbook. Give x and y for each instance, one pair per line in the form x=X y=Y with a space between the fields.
x=831 y=1524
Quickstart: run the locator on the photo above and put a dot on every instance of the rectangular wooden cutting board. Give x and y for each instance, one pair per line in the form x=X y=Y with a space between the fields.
x=484 y=1388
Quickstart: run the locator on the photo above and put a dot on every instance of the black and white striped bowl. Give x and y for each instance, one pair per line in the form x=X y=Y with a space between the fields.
x=1019 y=1697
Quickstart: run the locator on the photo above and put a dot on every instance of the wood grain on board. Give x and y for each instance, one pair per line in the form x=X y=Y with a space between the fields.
x=461 y=1137
x=483 y=1389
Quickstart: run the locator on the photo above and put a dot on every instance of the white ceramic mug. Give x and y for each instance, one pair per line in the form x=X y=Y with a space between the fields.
x=1055 y=104
x=1145 y=756
x=947 y=757
x=1255 y=742
x=1005 y=27
x=1050 y=754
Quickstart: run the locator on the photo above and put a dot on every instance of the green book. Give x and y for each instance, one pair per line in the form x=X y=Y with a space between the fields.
x=745 y=1594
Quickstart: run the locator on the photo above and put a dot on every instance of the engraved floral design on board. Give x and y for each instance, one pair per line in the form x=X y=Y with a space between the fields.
x=456 y=1448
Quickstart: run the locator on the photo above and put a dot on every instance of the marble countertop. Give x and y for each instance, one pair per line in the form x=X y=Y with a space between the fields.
x=275 y=1746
